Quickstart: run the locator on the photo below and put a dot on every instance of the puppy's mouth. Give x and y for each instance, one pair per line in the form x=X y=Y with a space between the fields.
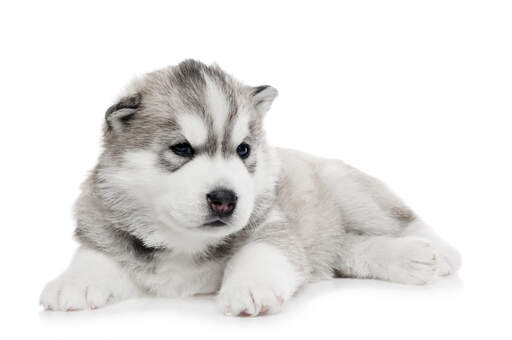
x=215 y=224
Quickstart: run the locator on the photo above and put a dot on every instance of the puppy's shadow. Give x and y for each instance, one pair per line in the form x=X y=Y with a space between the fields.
x=451 y=283
x=204 y=307
x=341 y=288
x=147 y=306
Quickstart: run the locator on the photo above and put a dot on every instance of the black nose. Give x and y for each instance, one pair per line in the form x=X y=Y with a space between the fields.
x=222 y=202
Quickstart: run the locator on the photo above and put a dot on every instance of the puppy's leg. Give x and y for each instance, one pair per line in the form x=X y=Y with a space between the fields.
x=258 y=279
x=406 y=250
x=407 y=259
x=91 y=281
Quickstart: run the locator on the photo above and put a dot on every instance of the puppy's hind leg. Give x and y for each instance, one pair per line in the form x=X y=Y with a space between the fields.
x=91 y=281
x=449 y=257
x=408 y=260
x=385 y=239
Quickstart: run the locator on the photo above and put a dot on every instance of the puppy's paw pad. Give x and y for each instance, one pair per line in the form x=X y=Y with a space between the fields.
x=254 y=301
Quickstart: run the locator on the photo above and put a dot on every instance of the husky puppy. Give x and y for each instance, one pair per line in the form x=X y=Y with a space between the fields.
x=187 y=198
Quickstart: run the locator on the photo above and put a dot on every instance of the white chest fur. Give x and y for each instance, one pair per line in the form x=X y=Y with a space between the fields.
x=181 y=275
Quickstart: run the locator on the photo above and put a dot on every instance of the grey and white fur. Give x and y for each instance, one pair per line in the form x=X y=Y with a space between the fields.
x=188 y=198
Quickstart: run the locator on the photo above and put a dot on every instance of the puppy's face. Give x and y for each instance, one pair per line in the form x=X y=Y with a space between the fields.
x=187 y=144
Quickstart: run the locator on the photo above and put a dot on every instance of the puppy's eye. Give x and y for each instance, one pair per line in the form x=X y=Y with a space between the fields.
x=243 y=150
x=183 y=149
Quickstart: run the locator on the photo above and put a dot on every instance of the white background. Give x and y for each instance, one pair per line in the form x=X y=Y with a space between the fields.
x=417 y=93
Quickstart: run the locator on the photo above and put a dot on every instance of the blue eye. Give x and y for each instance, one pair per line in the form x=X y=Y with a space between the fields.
x=183 y=149
x=243 y=150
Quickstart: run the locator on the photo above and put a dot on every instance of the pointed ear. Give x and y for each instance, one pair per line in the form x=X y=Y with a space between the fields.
x=120 y=114
x=263 y=96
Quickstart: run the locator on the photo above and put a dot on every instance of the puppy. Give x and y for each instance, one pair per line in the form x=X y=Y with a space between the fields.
x=188 y=198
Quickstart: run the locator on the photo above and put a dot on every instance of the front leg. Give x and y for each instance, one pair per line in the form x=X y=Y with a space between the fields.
x=91 y=281
x=258 y=279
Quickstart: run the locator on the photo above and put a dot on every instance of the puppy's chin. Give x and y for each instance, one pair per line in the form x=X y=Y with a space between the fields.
x=206 y=229
x=215 y=231
x=217 y=227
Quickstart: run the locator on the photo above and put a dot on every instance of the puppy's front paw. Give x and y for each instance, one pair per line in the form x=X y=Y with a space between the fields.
x=250 y=300
x=258 y=280
x=68 y=294
x=91 y=281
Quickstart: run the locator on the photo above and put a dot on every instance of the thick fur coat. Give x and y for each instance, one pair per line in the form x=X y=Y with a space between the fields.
x=188 y=198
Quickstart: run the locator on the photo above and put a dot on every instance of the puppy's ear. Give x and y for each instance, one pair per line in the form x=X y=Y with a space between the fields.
x=120 y=114
x=263 y=96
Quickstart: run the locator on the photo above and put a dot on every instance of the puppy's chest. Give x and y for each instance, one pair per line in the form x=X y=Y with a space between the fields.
x=182 y=275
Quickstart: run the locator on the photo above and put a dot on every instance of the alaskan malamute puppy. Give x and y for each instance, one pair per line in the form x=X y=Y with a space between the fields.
x=187 y=198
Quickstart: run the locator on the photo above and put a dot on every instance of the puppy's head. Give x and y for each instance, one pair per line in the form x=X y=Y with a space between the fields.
x=187 y=144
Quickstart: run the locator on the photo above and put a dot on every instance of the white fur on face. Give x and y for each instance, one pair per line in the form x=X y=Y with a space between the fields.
x=178 y=199
x=193 y=128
